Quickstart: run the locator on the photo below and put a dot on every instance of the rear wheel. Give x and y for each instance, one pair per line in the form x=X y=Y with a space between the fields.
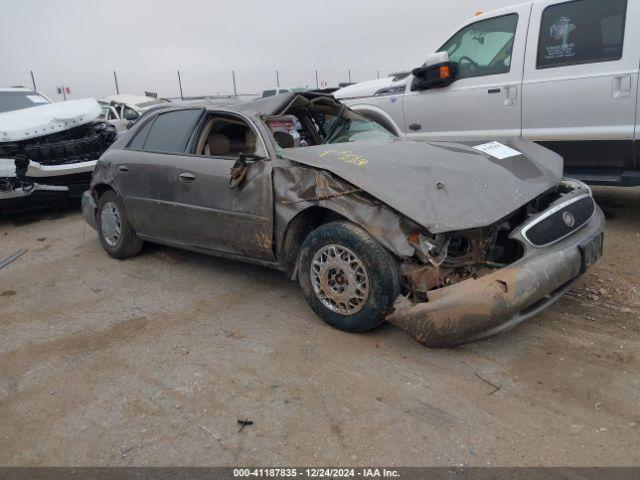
x=348 y=278
x=116 y=234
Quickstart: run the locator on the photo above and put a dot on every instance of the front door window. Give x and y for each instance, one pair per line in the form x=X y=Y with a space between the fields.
x=484 y=47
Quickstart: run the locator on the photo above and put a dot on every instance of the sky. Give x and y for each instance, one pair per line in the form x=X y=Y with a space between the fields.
x=79 y=43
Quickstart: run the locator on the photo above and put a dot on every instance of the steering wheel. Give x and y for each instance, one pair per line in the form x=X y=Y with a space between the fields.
x=474 y=66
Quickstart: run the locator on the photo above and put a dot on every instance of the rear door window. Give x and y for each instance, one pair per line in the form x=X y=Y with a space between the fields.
x=170 y=131
x=582 y=31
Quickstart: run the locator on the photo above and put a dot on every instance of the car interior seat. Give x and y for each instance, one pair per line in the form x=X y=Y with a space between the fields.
x=217 y=144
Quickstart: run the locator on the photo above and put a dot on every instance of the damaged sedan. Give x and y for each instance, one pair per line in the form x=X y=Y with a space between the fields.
x=47 y=150
x=451 y=242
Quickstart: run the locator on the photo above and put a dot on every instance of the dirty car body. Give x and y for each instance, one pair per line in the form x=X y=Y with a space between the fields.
x=475 y=242
x=47 y=150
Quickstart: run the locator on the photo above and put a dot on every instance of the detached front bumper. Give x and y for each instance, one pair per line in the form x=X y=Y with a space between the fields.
x=479 y=308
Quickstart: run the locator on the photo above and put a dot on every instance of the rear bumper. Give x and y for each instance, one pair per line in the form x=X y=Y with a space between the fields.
x=89 y=209
x=479 y=308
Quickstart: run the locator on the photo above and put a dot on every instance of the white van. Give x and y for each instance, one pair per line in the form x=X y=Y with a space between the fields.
x=562 y=73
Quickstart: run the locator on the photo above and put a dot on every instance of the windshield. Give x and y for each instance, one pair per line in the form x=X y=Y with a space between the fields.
x=351 y=127
x=317 y=120
x=20 y=99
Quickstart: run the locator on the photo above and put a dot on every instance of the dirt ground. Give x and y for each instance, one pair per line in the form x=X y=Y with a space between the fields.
x=153 y=360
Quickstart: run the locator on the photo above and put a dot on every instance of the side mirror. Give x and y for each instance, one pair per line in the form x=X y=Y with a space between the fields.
x=436 y=72
x=129 y=124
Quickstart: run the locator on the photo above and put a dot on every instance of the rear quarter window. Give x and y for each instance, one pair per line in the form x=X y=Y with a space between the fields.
x=582 y=31
x=140 y=137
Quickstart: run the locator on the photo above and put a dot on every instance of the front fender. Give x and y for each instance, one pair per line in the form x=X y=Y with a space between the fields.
x=298 y=189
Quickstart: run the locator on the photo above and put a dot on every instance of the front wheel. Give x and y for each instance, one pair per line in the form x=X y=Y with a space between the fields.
x=348 y=278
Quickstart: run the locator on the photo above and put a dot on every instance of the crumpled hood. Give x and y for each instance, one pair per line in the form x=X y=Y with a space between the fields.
x=442 y=186
x=42 y=120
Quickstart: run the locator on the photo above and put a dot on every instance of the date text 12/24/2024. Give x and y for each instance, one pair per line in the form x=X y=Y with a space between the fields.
x=316 y=472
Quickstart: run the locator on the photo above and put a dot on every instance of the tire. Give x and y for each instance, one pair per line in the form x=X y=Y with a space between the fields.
x=346 y=261
x=117 y=237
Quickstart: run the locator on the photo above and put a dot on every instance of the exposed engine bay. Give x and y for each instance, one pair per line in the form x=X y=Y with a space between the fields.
x=448 y=258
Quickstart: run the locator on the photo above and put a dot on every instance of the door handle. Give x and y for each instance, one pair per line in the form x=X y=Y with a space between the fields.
x=494 y=90
x=510 y=96
x=415 y=127
x=123 y=168
x=187 y=177
x=622 y=86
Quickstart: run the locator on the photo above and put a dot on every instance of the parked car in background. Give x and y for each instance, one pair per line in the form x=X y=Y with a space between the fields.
x=561 y=73
x=122 y=110
x=281 y=90
x=47 y=150
x=479 y=238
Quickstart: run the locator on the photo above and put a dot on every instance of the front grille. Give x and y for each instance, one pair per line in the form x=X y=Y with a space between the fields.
x=560 y=222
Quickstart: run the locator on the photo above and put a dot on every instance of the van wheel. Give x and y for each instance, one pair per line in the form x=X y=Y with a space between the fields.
x=348 y=278
x=116 y=234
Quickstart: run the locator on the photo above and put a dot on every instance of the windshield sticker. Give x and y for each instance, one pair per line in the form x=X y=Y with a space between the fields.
x=559 y=32
x=346 y=156
x=497 y=150
x=37 y=99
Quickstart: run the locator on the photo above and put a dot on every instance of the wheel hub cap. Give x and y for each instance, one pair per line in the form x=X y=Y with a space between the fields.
x=110 y=224
x=339 y=279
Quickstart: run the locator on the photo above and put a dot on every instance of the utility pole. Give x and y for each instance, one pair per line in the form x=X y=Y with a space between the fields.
x=115 y=79
x=378 y=73
x=349 y=75
x=235 y=90
x=317 y=85
x=277 y=79
x=180 y=84
x=33 y=80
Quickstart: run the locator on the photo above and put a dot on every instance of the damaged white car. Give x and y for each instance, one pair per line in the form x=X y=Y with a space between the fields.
x=123 y=110
x=47 y=150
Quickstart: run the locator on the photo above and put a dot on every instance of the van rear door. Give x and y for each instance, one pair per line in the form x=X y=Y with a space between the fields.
x=581 y=83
